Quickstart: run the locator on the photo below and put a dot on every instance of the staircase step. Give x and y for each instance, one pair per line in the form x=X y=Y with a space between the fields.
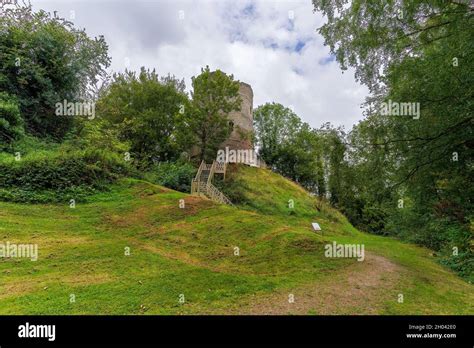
x=207 y=189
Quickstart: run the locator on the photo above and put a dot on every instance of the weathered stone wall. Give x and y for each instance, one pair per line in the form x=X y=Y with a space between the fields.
x=240 y=138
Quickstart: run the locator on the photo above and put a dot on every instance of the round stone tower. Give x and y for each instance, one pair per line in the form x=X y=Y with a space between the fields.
x=242 y=121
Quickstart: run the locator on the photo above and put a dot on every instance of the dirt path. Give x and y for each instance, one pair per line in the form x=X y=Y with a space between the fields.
x=359 y=289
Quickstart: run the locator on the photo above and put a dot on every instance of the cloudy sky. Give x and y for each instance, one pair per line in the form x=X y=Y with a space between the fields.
x=272 y=45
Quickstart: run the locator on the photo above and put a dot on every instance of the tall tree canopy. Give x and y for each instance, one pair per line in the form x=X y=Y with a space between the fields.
x=372 y=35
x=274 y=125
x=214 y=95
x=416 y=171
x=289 y=146
x=44 y=59
x=146 y=110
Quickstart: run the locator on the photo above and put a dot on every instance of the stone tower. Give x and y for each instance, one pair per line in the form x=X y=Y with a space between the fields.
x=242 y=121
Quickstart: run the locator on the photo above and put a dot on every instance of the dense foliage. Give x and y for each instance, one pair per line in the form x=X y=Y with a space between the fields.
x=214 y=95
x=289 y=146
x=146 y=110
x=44 y=60
x=174 y=175
x=410 y=175
x=58 y=175
x=11 y=124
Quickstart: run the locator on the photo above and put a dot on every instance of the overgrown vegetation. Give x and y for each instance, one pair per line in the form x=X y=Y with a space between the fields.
x=11 y=123
x=174 y=175
x=60 y=175
x=144 y=125
x=45 y=60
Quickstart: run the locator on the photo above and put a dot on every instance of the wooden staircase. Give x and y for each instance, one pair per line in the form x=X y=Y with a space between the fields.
x=202 y=183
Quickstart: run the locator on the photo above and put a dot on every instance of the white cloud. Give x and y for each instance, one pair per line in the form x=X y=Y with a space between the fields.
x=254 y=40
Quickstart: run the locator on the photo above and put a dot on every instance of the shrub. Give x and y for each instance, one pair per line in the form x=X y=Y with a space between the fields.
x=11 y=124
x=29 y=144
x=49 y=176
x=462 y=263
x=174 y=175
x=234 y=189
x=18 y=195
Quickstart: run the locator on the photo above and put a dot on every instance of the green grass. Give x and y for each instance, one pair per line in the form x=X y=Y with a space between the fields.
x=190 y=251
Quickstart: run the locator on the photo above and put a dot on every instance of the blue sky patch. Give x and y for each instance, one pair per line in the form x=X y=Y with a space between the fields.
x=299 y=45
x=327 y=60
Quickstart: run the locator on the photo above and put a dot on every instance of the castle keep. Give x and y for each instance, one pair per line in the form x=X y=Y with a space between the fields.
x=242 y=121
x=238 y=143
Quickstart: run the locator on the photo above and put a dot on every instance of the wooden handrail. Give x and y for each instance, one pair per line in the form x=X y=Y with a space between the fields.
x=216 y=195
x=198 y=174
x=206 y=187
x=211 y=172
x=195 y=188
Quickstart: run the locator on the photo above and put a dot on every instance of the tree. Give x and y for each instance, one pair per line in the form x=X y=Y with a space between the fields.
x=214 y=95
x=274 y=125
x=289 y=146
x=420 y=53
x=373 y=35
x=45 y=60
x=335 y=151
x=301 y=159
x=145 y=109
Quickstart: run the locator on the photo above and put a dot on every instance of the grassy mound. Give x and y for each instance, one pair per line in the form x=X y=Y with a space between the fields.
x=266 y=192
x=133 y=250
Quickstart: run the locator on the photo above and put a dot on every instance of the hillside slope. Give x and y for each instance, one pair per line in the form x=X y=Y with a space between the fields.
x=207 y=258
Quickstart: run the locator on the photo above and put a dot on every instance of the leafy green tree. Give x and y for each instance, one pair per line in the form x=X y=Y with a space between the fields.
x=275 y=125
x=206 y=125
x=289 y=146
x=421 y=53
x=300 y=158
x=45 y=60
x=145 y=109
x=335 y=150
x=371 y=35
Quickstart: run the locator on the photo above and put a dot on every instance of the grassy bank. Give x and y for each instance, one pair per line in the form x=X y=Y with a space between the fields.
x=219 y=259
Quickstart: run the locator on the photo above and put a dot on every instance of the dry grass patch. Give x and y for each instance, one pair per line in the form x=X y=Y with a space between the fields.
x=360 y=288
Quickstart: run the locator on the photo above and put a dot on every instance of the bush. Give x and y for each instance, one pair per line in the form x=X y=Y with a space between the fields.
x=462 y=264
x=18 y=195
x=438 y=234
x=29 y=144
x=11 y=124
x=174 y=175
x=234 y=189
x=48 y=176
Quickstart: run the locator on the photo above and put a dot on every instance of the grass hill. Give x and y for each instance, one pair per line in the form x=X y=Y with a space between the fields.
x=190 y=254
